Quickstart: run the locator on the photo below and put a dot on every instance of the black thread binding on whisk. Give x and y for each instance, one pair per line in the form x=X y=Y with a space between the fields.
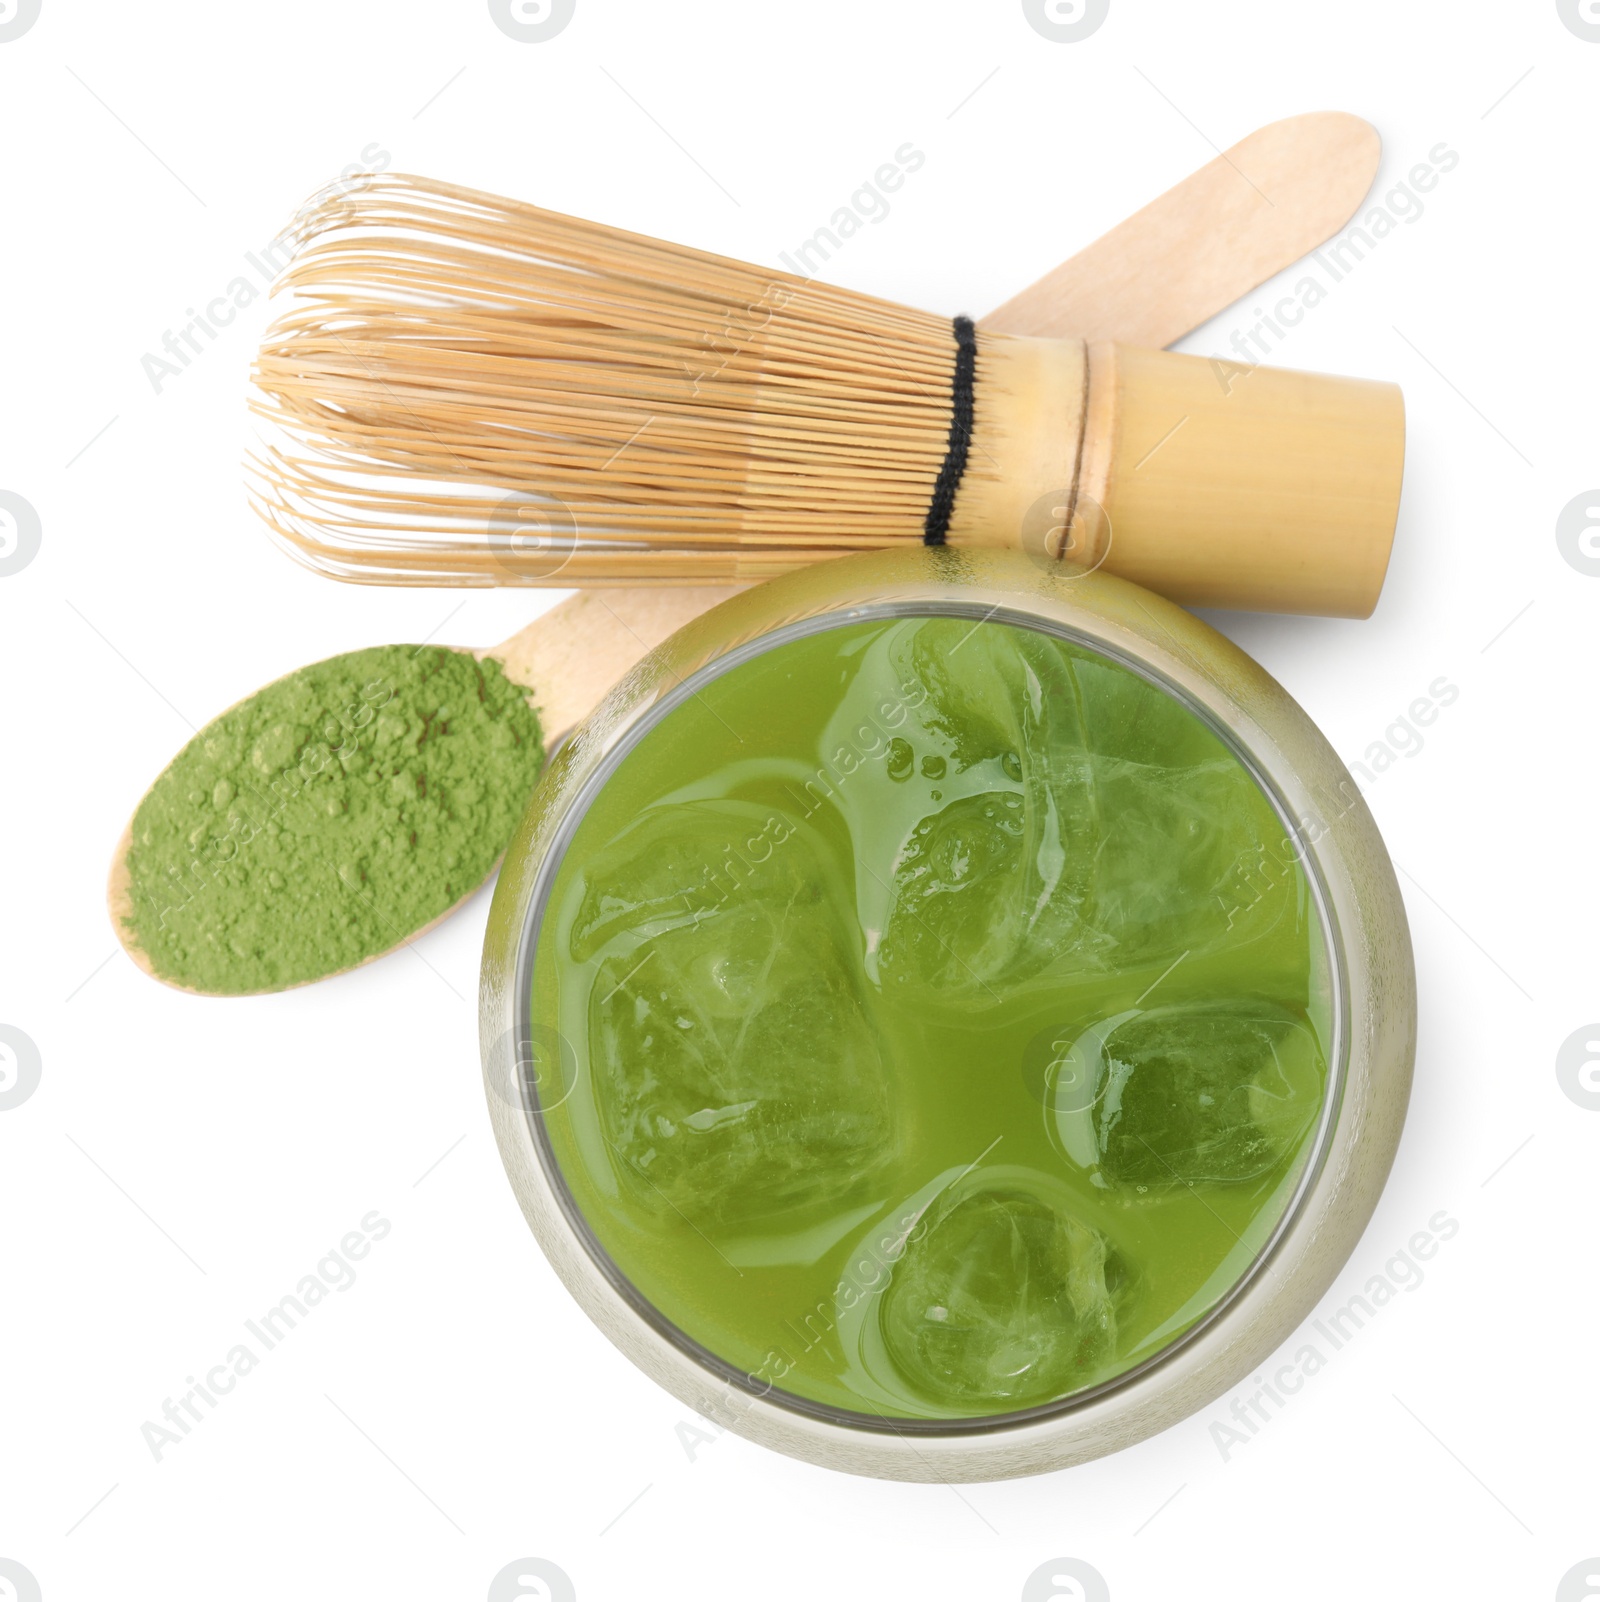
x=937 y=523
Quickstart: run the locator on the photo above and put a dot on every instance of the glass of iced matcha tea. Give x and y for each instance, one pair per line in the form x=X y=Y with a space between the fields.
x=925 y=1013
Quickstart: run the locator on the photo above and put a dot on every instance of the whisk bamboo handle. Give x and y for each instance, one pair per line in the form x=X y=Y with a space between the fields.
x=1213 y=483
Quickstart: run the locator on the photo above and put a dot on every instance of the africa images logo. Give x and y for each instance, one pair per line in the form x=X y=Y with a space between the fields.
x=531 y=21
x=20 y=533
x=16 y=17
x=1065 y=21
x=1582 y=18
x=1578 y=533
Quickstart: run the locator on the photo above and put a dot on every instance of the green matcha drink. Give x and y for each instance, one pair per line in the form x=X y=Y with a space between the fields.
x=949 y=1024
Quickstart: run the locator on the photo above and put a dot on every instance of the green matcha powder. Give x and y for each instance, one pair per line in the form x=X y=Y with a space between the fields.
x=328 y=817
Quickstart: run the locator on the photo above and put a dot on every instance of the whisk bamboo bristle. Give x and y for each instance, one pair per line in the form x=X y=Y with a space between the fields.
x=475 y=390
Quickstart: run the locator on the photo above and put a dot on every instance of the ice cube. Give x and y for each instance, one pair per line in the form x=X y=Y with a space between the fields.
x=1216 y=1092
x=1001 y=1299
x=680 y=862
x=1175 y=849
x=1128 y=718
x=990 y=888
x=736 y=1073
x=986 y=892
x=992 y=691
x=1119 y=832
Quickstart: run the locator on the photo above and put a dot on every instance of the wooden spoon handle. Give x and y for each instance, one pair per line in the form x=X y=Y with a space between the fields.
x=571 y=655
x=1255 y=210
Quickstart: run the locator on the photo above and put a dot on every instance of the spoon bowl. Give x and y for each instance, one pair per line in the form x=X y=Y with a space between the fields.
x=566 y=660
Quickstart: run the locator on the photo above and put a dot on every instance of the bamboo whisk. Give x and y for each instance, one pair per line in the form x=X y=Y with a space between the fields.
x=473 y=390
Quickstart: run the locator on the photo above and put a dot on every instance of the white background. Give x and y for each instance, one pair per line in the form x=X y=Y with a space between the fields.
x=184 y=1163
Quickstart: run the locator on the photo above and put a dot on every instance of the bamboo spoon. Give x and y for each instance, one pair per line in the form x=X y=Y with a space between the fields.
x=1260 y=206
x=1315 y=169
